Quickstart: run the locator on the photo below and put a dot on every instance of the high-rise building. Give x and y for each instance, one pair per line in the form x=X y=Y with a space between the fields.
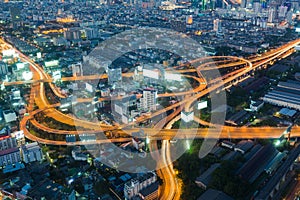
x=135 y=188
x=256 y=7
x=90 y=33
x=7 y=142
x=282 y=11
x=72 y=34
x=10 y=156
x=31 y=152
x=271 y=15
x=263 y=4
x=213 y=4
x=148 y=102
x=295 y=5
x=203 y=4
x=3 y=69
x=9 y=152
x=243 y=3
x=217 y=26
x=15 y=14
x=289 y=16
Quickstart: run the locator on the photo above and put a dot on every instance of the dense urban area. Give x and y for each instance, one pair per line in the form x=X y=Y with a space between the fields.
x=150 y=99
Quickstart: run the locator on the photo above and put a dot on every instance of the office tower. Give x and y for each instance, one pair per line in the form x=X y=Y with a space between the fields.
x=148 y=102
x=203 y=4
x=9 y=152
x=295 y=5
x=15 y=15
x=31 y=152
x=256 y=7
x=271 y=15
x=7 y=142
x=3 y=69
x=289 y=16
x=217 y=26
x=282 y=11
x=243 y=3
x=263 y=4
x=213 y=4
x=72 y=34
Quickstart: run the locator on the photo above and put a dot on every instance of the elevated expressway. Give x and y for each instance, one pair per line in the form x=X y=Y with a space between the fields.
x=235 y=132
x=170 y=188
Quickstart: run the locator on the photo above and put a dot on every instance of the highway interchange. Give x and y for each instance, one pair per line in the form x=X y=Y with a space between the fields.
x=242 y=66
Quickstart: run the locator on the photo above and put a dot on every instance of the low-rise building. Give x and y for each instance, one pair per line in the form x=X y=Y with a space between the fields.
x=227 y=144
x=212 y=194
x=256 y=105
x=243 y=146
x=204 y=179
x=286 y=94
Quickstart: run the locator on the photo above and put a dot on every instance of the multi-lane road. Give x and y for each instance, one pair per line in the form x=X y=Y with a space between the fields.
x=162 y=130
x=192 y=96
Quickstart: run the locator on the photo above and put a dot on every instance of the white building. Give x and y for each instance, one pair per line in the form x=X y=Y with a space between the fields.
x=134 y=186
x=271 y=15
x=148 y=102
x=9 y=116
x=31 y=152
x=217 y=26
x=187 y=116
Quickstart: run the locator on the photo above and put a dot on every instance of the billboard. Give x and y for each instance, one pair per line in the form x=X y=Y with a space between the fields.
x=51 y=63
x=151 y=73
x=172 y=77
x=202 y=105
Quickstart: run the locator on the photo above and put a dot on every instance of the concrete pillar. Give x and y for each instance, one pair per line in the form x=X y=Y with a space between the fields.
x=291 y=167
x=272 y=194
x=277 y=186
x=283 y=178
